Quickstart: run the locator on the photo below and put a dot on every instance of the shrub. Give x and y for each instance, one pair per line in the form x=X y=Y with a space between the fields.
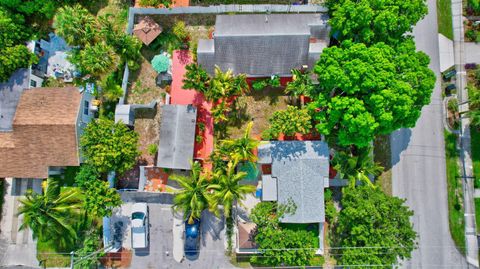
x=180 y=31
x=274 y=81
x=155 y=3
x=259 y=84
x=152 y=149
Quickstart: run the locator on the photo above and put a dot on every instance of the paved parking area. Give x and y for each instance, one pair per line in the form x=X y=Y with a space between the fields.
x=159 y=254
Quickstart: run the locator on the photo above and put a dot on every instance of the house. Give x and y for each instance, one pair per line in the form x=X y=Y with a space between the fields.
x=44 y=134
x=177 y=136
x=262 y=45
x=299 y=174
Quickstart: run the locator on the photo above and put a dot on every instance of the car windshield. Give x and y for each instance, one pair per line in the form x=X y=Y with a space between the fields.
x=138 y=215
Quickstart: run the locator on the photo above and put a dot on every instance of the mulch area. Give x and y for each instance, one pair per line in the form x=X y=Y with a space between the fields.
x=157 y=179
x=121 y=259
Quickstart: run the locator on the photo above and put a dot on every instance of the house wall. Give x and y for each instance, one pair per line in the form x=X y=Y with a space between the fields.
x=82 y=118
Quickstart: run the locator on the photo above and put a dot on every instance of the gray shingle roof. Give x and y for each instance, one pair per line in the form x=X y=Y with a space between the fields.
x=252 y=45
x=10 y=92
x=177 y=135
x=300 y=168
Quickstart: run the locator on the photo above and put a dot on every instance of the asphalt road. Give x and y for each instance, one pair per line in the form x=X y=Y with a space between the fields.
x=419 y=175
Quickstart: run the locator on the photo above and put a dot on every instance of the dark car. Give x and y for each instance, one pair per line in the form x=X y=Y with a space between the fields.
x=192 y=238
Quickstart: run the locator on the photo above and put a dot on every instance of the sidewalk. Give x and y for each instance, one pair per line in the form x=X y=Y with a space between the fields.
x=471 y=243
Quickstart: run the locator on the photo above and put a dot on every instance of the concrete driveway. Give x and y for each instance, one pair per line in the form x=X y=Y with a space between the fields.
x=159 y=254
x=16 y=247
x=419 y=173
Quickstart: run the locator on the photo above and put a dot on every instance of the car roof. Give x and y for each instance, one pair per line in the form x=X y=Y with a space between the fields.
x=139 y=207
x=137 y=223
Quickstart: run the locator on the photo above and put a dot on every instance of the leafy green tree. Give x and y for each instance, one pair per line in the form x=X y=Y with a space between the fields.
x=13 y=58
x=76 y=25
x=365 y=91
x=100 y=199
x=288 y=122
x=97 y=60
x=126 y=46
x=36 y=9
x=180 y=31
x=196 y=78
x=226 y=188
x=194 y=197
x=225 y=84
x=357 y=166
x=109 y=146
x=12 y=29
x=374 y=228
x=111 y=91
x=241 y=149
x=52 y=216
x=370 y=21
x=280 y=246
x=89 y=246
x=301 y=83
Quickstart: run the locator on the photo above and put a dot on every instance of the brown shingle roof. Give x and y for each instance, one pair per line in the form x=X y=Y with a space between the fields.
x=245 y=235
x=44 y=133
x=147 y=30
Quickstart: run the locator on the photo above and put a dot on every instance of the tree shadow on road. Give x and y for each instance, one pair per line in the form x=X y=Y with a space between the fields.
x=399 y=142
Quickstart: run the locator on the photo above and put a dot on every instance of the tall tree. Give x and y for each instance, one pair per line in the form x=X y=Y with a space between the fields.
x=194 y=196
x=227 y=189
x=356 y=166
x=301 y=83
x=52 y=216
x=241 y=149
x=374 y=228
x=370 y=21
x=13 y=58
x=109 y=146
x=279 y=246
x=100 y=199
x=97 y=60
x=76 y=25
x=364 y=91
x=196 y=78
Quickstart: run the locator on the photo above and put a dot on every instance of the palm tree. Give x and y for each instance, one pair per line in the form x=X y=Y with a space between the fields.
x=356 y=167
x=227 y=189
x=301 y=83
x=76 y=25
x=97 y=60
x=194 y=197
x=53 y=215
x=241 y=149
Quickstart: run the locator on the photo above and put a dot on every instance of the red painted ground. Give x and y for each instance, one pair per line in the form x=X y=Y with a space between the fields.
x=180 y=96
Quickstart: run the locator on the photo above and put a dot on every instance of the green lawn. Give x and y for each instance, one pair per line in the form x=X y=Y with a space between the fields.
x=444 y=15
x=475 y=144
x=455 y=197
x=47 y=255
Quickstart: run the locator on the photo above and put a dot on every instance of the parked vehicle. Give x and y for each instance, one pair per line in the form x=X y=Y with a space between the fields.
x=140 y=225
x=449 y=89
x=192 y=238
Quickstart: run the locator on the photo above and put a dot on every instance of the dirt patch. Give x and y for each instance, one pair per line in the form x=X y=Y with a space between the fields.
x=143 y=90
x=199 y=32
x=258 y=107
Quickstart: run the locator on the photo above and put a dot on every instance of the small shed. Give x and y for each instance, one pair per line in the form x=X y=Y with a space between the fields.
x=177 y=136
x=125 y=113
x=147 y=30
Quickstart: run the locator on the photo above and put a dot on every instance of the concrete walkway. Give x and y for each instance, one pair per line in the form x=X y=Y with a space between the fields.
x=445 y=47
x=471 y=242
x=17 y=247
x=177 y=231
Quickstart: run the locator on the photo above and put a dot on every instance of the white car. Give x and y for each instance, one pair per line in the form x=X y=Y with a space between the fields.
x=140 y=225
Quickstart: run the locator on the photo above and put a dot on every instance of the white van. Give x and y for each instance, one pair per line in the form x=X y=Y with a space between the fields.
x=140 y=236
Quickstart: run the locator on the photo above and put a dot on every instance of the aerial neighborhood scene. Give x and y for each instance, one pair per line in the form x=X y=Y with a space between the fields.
x=239 y=134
